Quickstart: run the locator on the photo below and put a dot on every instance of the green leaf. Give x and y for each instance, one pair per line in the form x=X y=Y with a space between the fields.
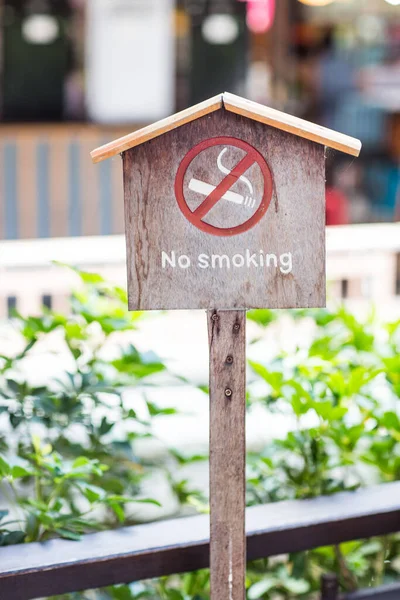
x=274 y=379
x=90 y=277
x=298 y=406
x=81 y=461
x=17 y=472
x=259 y=589
x=296 y=586
x=186 y=460
x=156 y=411
x=13 y=538
x=92 y=493
x=118 y=510
x=68 y=535
x=390 y=420
x=13 y=385
x=122 y=592
x=263 y=317
x=174 y=595
x=138 y=365
x=105 y=426
x=126 y=499
x=328 y=412
x=5 y=468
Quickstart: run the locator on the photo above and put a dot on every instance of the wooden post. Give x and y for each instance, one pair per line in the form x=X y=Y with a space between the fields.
x=227 y=341
x=201 y=234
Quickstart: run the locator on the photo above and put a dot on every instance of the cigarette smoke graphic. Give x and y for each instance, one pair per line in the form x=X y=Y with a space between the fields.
x=227 y=171
x=205 y=188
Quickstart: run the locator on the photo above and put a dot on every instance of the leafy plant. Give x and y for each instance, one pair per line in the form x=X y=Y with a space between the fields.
x=54 y=506
x=7 y=537
x=65 y=460
x=338 y=390
x=341 y=393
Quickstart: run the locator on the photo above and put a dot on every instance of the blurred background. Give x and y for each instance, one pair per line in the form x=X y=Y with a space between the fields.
x=75 y=73
x=116 y=400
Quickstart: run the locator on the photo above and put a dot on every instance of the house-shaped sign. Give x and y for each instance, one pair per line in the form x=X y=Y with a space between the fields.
x=225 y=208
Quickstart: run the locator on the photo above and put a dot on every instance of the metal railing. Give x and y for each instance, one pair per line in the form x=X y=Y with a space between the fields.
x=163 y=548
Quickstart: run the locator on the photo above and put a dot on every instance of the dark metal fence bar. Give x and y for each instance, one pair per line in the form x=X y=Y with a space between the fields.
x=388 y=592
x=330 y=591
x=180 y=545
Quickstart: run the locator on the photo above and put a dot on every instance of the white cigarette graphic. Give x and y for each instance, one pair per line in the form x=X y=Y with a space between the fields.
x=205 y=189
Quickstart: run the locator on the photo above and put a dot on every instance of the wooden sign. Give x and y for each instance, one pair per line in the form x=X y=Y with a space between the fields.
x=225 y=207
x=224 y=210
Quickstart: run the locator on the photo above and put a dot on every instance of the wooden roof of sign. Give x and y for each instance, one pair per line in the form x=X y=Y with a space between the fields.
x=240 y=106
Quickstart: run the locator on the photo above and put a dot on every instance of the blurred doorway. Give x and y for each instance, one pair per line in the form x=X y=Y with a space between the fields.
x=37 y=56
x=219 y=48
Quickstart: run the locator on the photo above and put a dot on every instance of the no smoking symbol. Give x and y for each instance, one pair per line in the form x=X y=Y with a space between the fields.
x=212 y=195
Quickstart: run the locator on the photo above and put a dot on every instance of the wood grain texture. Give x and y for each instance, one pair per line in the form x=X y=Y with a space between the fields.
x=291 y=124
x=118 y=194
x=151 y=131
x=293 y=224
x=227 y=340
x=240 y=106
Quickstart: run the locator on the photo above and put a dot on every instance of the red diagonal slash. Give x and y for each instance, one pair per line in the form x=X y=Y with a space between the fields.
x=224 y=186
x=251 y=156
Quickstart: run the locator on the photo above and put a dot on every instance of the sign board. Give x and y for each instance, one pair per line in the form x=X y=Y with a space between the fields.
x=225 y=208
x=232 y=221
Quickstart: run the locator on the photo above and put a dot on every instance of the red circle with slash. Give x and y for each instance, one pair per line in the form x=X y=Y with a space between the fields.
x=252 y=157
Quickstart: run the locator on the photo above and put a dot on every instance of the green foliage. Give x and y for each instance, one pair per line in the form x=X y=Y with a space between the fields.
x=341 y=393
x=59 y=487
x=58 y=482
x=338 y=392
x=7 y=537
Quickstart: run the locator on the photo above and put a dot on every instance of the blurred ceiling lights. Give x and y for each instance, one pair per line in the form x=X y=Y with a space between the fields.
x=326 y=2
x=40 y=29
x=220 y=29
x=316 y=2
x=260 y=15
